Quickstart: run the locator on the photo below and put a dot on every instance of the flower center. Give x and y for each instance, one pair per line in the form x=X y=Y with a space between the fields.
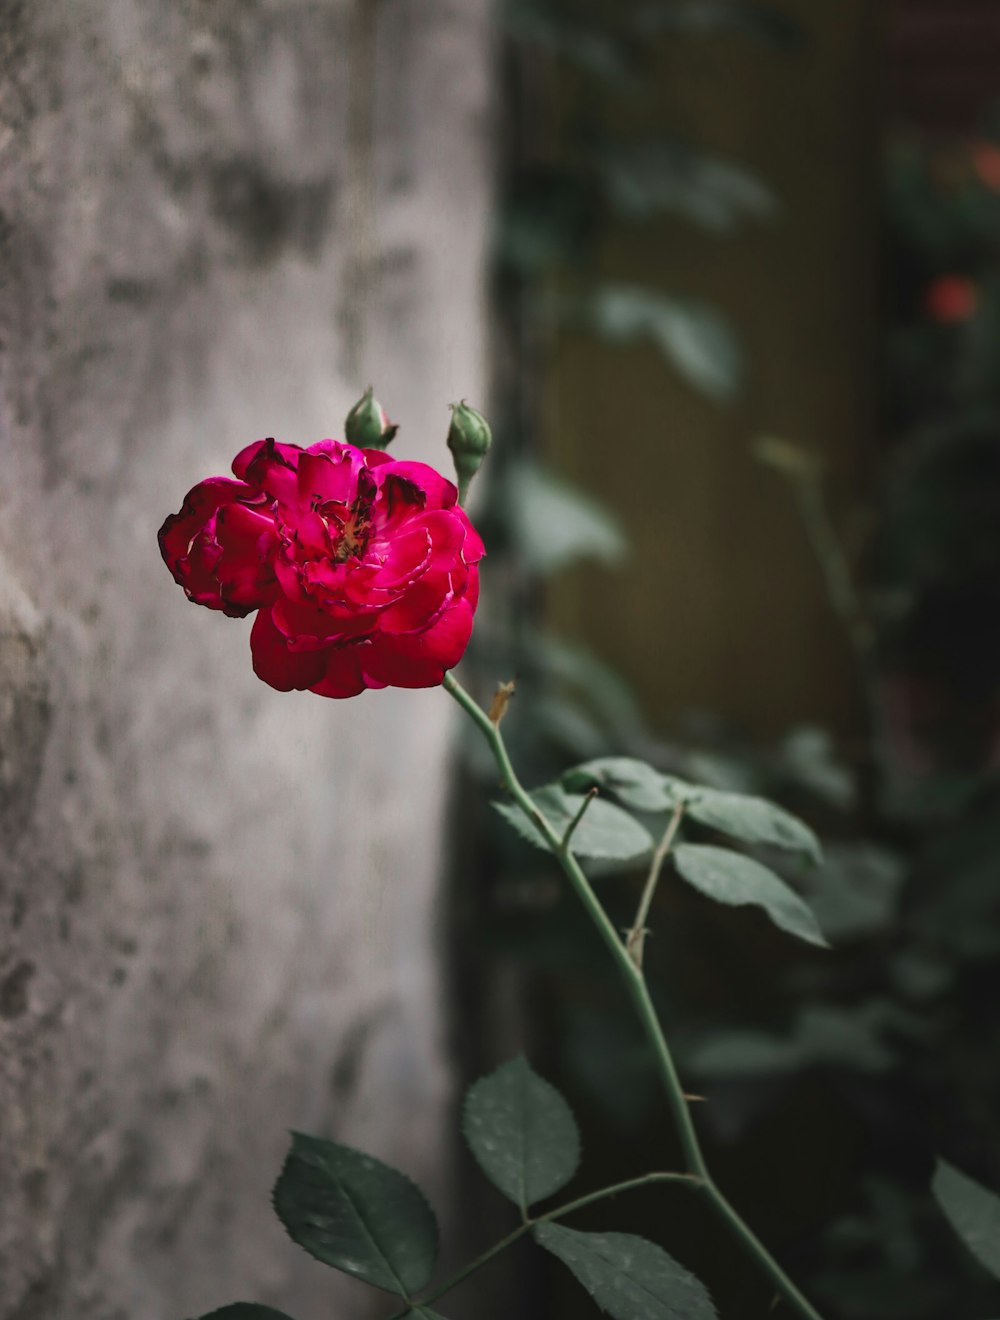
x=353 y=538
x=356 y=527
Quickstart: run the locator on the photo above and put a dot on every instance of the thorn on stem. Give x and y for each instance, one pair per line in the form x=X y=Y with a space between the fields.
x=501 y=699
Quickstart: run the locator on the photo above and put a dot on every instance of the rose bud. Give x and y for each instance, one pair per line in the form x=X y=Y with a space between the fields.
x=367 y=426
x=363 y=571
x=469 y=439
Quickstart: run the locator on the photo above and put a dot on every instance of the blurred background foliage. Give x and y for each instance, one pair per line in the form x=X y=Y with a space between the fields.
x=743 y=522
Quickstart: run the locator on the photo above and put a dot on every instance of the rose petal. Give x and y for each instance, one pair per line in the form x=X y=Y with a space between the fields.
x=285 y=454
x=329 y=475
x=278 y=666
x=191 y=550
x=439 y=493
x=417 y=660
x=304 y=627
x=343 y=676
x=419 y=606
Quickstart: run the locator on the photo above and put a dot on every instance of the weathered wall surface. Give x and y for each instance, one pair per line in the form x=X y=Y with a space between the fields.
x=218 y=221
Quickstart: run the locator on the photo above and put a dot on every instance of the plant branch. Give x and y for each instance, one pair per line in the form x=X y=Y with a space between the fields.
x=644 y=1180
x=636 y=939
x=591 y=794
x=638 y=991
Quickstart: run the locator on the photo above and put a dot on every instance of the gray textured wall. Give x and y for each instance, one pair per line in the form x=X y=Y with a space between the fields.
x=218 y=221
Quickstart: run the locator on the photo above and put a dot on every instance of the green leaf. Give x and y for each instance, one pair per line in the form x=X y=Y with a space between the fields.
x=694 y=338
x=553 y=524
x=973 y=1212
x=645 y=178
x=635 y=783
x=605 y=831
x=425 y=1313
x=522 y=1133
x=822 y=1036
x=355 y=1213
x=731 y=878
x=590 y=47
x=699 y=18
x=246 y=1311
x=627 y=1276
x=753 y=820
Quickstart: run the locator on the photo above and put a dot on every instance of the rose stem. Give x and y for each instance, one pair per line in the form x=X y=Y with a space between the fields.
x=635 y=984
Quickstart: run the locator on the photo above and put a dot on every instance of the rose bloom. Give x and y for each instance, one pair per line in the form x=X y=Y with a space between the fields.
x=362 y=569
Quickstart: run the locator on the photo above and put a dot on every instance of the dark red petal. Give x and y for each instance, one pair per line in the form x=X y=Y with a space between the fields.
x=417 y=660
x=305 y=627
x=389 y=567
x=343 y=677
x=473 y=550
x=188 y=540
x=285 y=454
x=329 y=475
x=420 y=605
x=471 y=595
x=271 y=468
x=278 y=666
x=245 y=570
x=439 y=493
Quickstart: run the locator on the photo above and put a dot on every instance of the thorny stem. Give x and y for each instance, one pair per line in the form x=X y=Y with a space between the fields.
x=635 y=984
x=636 y=938
x=644 y=1180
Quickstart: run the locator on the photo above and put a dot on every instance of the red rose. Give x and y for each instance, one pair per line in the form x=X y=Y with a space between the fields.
x=362 y=569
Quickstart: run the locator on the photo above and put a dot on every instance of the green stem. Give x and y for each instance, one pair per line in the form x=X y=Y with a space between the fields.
x=644 y=1180
x=636 y=939
x=638 y=991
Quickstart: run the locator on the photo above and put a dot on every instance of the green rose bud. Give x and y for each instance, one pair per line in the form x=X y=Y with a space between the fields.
x=367 y=425
x=469 y=439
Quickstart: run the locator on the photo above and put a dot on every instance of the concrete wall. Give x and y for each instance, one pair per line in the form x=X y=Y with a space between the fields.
x=218 y=221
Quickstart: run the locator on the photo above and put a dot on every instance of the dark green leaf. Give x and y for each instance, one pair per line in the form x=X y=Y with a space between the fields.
x=600 y=685
x=522 y=1133
x=590 y=47
x=731 y=878
x=708 y=17
x=694 y=338
x=646 y=178
x=753 y=820
x=355 y=1213
x=605 y=831
x=627 y=1276
x=633 y=782
x=246 y=1311
x=973 y=1212
x=425 y=1313
x=823 y=1036
x=855 y=893
x=554 y=525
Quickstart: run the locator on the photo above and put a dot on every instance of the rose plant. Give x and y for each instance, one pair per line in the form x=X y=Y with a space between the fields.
x=363 y=572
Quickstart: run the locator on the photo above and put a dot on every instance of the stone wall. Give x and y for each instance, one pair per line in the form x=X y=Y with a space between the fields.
x=218 y=221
